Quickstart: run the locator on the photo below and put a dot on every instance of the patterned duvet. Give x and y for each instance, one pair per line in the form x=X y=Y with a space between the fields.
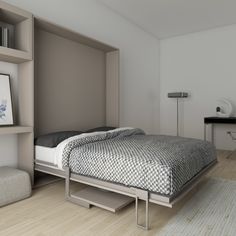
x=156 y=163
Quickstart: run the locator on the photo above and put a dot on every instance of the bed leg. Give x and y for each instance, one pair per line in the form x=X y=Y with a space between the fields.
x=67 y=183
x=68 y=195
x=142 y=195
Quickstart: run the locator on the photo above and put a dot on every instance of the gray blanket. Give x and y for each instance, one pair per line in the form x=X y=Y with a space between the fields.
x=156 y=163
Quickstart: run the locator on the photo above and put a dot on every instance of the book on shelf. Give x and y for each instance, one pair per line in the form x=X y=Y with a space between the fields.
x=1 y=36
x=4 y=37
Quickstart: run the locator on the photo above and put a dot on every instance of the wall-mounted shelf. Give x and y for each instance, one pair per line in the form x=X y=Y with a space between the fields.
x=15 y=130
x=14 y=55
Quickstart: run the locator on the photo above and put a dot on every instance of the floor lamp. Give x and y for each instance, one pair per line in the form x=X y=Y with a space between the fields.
x=178 y=95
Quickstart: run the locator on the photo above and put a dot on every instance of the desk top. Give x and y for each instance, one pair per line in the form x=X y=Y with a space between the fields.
x=220 y=120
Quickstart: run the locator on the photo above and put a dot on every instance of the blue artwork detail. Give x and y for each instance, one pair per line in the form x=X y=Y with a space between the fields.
x=3 y=108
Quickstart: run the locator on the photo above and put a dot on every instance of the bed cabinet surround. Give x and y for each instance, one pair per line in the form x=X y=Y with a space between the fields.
x=76 y=80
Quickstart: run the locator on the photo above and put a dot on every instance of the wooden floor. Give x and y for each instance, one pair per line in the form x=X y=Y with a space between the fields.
x=47 y=213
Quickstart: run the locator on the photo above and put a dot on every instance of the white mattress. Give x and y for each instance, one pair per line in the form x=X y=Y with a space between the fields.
x=54 y=155
x=45 y=154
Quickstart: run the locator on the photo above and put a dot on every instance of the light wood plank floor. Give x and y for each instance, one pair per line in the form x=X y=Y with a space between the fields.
x=47 y=213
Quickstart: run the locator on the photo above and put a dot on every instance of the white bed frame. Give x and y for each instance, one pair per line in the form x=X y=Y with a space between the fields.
x=123 y=191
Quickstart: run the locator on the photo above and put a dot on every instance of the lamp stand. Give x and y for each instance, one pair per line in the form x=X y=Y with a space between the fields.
x=177 y=118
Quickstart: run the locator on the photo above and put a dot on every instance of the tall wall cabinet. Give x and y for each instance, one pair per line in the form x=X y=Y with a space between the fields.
x=21 y=54
x=67 y=81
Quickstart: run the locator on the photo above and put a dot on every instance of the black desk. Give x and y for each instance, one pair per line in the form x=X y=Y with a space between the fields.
x=216 y=120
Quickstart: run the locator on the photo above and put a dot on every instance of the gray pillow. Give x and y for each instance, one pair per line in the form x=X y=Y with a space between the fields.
x=53 y=139
x=104 y=128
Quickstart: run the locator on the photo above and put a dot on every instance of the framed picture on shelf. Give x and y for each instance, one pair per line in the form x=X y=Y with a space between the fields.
x=6 y=113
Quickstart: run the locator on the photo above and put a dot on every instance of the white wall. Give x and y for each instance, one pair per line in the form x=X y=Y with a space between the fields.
x=203 y=64
x=139 y=84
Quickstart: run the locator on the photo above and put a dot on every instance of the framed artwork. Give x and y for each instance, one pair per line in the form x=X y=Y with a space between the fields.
x=6 y=113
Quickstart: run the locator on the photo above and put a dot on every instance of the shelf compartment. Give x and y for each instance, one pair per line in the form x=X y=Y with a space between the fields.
x=21 y=23
x=12 y=14
x=15 y=130
x=104 y=199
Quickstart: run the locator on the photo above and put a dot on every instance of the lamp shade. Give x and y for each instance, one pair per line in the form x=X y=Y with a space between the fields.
x=178 y=95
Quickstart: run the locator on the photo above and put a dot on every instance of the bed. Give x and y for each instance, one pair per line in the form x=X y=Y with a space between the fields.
x=153 y=168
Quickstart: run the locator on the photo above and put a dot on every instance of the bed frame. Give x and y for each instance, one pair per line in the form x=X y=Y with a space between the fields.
x=123 y=191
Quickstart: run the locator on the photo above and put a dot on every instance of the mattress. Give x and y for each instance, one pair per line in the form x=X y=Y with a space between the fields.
x=45 y=154
x=53 y=155
x=157 y=163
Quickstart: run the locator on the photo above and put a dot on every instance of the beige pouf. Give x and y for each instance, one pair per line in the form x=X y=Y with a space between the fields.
x=15 y=185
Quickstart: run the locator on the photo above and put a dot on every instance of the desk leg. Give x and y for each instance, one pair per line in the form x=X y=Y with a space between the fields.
x=212 y=133
x=205 y=129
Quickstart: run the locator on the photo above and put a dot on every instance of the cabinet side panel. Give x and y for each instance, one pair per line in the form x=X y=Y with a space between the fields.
x=112 y=89
x=26 y=153
x=26 y=116
x=26 y=94
x=24 y=36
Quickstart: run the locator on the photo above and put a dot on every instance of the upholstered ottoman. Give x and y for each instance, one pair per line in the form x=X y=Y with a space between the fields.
x=15 y=185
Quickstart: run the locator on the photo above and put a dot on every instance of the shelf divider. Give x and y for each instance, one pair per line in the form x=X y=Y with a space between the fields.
x=14 y=55
x=15 y=130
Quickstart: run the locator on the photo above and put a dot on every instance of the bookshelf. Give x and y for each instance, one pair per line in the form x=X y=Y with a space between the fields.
x=20 y=52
